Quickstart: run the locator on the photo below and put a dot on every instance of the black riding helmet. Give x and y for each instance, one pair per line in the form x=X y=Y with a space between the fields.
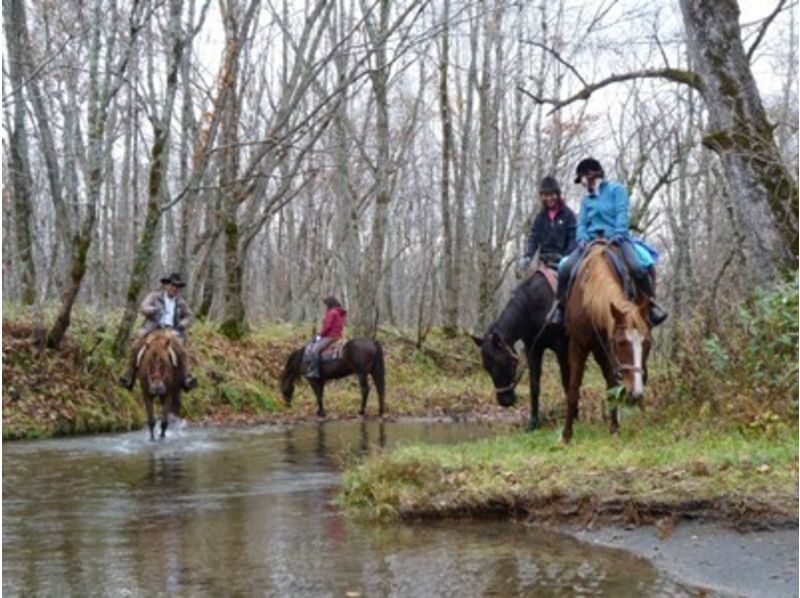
x=586 y=166
x=549 y=184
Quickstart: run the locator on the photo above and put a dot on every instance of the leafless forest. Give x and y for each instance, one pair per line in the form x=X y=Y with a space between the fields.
x=387 y=151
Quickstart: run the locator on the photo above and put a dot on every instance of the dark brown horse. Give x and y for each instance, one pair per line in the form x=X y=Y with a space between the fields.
x=159 y=367
x=360 y=356
x=523 y=318
x=603 y=321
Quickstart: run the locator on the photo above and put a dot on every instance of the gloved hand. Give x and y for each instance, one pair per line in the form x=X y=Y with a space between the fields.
x=523 y=263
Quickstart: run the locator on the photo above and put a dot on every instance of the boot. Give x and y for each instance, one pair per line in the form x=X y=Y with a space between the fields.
x=557 y=319
x=657 y=313
x=313 y=369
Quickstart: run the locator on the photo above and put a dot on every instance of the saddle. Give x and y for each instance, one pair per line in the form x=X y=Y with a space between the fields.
x=330 y=353
x=613 y=257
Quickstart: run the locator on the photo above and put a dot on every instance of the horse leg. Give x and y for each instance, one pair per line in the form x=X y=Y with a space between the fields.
x=608 y=373
x=151 y=420
x=362 y=381
x=319 y=387
x=165 y=405
x=560 y=348
x=535 y=360
x=577 y=361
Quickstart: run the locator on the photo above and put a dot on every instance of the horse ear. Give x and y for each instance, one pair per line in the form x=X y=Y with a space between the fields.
x=496 y=340
x=617 y=312
x=476 y=339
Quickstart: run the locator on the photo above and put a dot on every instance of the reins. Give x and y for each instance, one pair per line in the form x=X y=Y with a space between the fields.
x=514 y=357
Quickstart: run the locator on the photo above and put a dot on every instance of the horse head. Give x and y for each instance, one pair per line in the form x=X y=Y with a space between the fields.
x=291 y=370
x=157 y=362
x=501 y=361
x=630 y=343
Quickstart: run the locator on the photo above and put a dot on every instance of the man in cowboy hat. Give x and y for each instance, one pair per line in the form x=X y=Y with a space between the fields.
x=163 y=308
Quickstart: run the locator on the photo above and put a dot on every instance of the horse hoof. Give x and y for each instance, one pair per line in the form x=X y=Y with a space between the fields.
x=362 y=414
x=532 y=426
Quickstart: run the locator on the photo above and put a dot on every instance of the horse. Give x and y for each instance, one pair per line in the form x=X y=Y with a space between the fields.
x=360 y=356
x=603 y=321
x=524 y=317
x=160 y=375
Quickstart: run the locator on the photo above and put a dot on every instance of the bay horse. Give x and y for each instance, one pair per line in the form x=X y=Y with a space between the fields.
x=360 y=356
x=524 y=317
x=603 y=321
x=160 y=374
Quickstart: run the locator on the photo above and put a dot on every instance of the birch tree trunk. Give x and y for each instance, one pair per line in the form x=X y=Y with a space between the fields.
x=365 y=318
x=159 y=159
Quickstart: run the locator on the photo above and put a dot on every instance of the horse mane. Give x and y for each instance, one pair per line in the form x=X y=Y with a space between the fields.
x=158 y=344
x=602 y=289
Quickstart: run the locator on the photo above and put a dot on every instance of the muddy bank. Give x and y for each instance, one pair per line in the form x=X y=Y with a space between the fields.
x=754 y=563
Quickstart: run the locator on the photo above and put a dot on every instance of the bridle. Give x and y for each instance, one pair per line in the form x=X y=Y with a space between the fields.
x=617 y=367
x=516 y=359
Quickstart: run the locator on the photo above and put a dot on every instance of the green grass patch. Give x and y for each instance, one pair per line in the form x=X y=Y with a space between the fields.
x=648 y=462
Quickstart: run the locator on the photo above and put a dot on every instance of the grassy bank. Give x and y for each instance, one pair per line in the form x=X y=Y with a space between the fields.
x=73 y=391
x=658 y=469
x=718 y=441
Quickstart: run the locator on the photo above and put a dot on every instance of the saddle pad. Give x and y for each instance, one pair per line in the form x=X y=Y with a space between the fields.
x=549 y=275
x=334 y=350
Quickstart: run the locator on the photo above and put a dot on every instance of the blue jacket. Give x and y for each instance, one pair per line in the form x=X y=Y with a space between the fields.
x=606 y=213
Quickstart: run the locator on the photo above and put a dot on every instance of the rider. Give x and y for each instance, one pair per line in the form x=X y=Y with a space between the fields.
x=604 y=214
x=553 y=230
x=163 y=308
x=332 y=327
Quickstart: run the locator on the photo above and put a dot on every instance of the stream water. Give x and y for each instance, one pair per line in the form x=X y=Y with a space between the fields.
x=251 y=512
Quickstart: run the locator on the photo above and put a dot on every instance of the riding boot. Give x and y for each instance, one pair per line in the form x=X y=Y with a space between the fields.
x=647 y=285
x=188 y=381
x=128 y=379
x=557 y=319
x=313 y=372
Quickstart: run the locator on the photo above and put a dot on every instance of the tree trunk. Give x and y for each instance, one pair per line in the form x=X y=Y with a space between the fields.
x=159 y=160
x=14 y=12
x=764 y=190
x=366 y=316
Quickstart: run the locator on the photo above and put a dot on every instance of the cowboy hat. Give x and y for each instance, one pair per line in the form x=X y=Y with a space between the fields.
x=174 y=278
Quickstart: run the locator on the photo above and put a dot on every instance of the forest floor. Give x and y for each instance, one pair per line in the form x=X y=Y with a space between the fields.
x=74 y=391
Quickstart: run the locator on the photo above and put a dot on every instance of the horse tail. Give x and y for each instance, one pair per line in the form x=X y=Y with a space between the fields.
x=379 y=375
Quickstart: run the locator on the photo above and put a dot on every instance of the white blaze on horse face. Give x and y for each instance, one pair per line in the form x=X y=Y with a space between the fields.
x=636 y=339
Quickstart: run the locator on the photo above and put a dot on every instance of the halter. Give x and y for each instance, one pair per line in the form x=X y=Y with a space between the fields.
x=515 y=358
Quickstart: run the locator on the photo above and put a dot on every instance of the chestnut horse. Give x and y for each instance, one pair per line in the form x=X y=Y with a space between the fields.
x=360 y=356
x=158 y=364
x=603 y=321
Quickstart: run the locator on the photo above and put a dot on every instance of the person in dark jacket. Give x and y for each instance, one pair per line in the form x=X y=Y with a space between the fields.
x=332 y=328
x=553 y=230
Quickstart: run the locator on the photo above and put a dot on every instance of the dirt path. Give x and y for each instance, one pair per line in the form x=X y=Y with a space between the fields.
x=759 y=563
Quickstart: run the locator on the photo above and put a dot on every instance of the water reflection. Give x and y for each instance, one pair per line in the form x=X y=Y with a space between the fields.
x=242 y=512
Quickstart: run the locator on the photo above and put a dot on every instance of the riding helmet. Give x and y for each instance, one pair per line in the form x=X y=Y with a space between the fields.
x=586 y=166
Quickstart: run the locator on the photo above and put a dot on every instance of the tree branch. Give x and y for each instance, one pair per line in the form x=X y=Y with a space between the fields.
x=689 y=78
x=763 y=30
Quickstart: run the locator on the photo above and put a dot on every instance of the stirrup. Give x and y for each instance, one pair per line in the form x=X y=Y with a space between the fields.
x=557 y=319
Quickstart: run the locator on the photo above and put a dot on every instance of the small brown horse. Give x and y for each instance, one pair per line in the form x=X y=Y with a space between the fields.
x=359 y=356
x=159 y=367
x=601 y=320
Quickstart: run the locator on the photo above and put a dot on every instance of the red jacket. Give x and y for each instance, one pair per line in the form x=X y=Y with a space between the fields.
x=333 y=324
